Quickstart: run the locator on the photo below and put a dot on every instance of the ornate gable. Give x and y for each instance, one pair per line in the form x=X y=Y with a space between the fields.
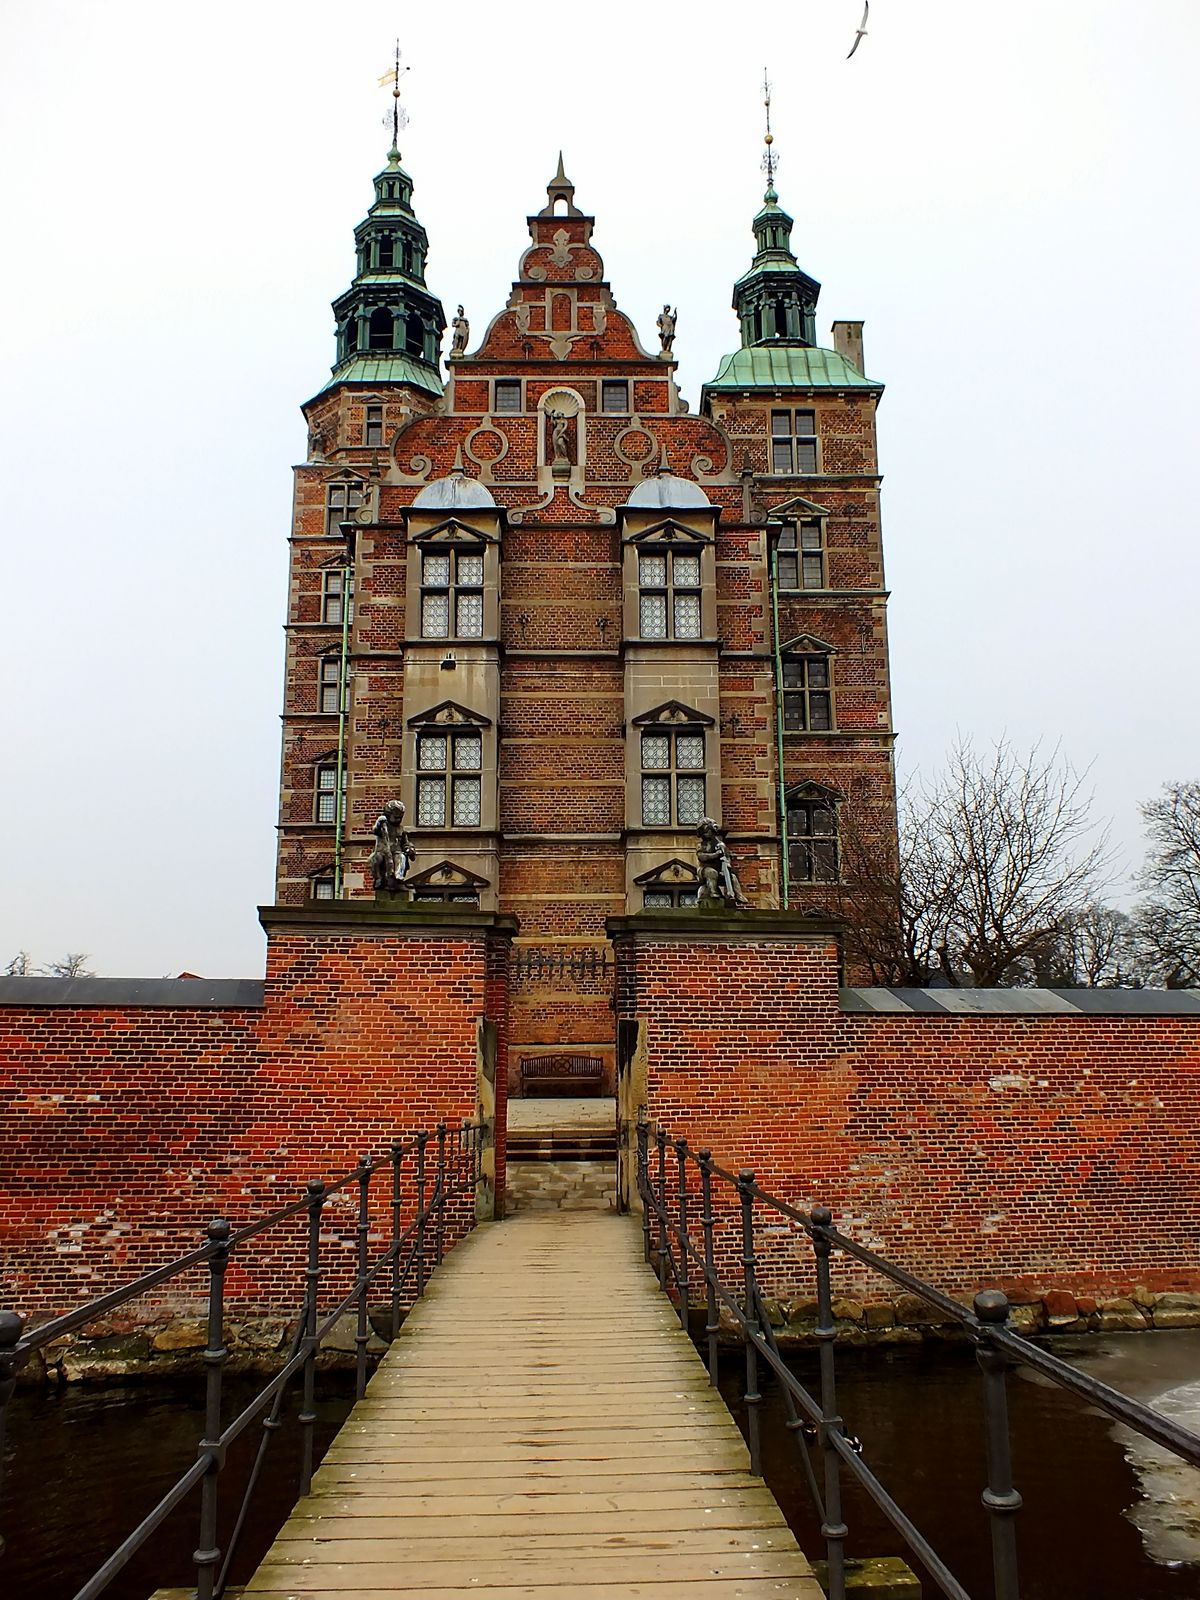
x=449 y=714
x=673 y=714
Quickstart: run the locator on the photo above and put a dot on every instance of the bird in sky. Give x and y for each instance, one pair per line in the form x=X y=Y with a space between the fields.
x=862 y=29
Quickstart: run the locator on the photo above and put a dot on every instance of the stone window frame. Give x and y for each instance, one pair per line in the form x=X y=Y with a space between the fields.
x=336 y=581
x=343 y=496
x=815 y=659
x=450 y=780
x=373 y=416
x=510 y=386
x=793 y=439
x=674 y=773
x=447 y=720
x=808 y=842
x=612 y=385
x=321 y=882
x=455 y=589
x=325 y=791
x=670 y=590
x=798 y=561
x=329 y=678
x=673 y=884
x=448 y=883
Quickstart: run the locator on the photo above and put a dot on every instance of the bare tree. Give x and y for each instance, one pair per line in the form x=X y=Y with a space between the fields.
x=999 y=862
x=1095 y=949
x=72 y=965
x=19 y=966
x=1168 y=921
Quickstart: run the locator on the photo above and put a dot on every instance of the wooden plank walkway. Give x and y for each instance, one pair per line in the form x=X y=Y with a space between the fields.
x=542 y=1430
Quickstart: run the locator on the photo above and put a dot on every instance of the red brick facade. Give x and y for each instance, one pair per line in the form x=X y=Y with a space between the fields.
x=1008 y=1150
x=128 y=1127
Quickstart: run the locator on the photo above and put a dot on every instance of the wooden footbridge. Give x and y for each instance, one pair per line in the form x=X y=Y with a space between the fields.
x=542 y=1429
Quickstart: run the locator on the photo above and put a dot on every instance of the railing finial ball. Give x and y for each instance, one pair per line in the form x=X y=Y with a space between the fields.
x=219 y=1230
x=991 y=1305
x=821 y=1216
x=704 y=1156
x=746 y=1176
x=314 y=1187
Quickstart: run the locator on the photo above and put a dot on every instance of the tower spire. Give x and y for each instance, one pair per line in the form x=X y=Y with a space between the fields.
x=397 y=116
x=770 y=159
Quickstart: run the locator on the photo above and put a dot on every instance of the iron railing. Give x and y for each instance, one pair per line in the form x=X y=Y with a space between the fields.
x=680 y=1225
x=446 y=1165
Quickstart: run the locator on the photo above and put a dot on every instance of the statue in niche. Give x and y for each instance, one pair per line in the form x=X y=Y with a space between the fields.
x=460 y=330
x=718 y=881
x=393 y=853
x=559 y=426
x=666 y=328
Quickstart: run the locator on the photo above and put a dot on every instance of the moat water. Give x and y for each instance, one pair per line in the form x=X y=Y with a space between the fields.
x=1105 y=1518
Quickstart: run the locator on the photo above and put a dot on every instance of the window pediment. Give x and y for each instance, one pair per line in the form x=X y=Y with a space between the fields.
x=453 y=531
x=797 y=506
x=446 y=875
x=808 y=644
x=811 y=790
x=670 y=532
x=356 y=480
x=449 y=714
x=673 y=874
x=673 y=713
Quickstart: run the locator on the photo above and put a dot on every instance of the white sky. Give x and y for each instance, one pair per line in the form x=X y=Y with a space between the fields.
x=1004 y=192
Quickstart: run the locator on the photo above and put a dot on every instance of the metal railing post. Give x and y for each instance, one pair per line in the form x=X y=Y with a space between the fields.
x=750 y=1287
x=312 y=1274
x=361 y=1336
x=833 y=1529
x=712 y=1322
x=660 y=1208
x=11 y=1328
x=440 y=1195
x=681 y=1151
x=207 y=1552
x=397 y=1157
x=1000 y=1498
x=643 y=1178
x=422 y=1141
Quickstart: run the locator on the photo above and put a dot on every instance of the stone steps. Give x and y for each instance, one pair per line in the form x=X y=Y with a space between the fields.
x=561 y=1185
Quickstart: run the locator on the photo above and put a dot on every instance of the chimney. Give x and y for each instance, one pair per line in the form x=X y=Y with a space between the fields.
x=847 y=341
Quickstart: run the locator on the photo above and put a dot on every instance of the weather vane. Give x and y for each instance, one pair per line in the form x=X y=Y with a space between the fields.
x=397 y=116
x=770 y=160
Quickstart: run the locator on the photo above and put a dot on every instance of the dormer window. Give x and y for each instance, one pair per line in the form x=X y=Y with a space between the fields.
x=452 y=593
x=669 y=594
x=793 y=441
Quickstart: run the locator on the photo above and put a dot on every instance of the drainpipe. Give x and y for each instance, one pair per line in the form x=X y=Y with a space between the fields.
x=784 y=874
x=339 y=825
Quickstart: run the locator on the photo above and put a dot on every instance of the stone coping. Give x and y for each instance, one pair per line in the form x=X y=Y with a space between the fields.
x=721 y=926
x=390 y=916
x=1025 y=1002
x=184 y=994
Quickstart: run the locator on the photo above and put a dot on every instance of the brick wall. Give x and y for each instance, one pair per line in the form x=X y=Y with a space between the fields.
x=129 y=1125
x=1025 y=1151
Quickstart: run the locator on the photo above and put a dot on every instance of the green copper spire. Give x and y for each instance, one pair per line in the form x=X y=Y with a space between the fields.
x=775 y=301
x=387 y=320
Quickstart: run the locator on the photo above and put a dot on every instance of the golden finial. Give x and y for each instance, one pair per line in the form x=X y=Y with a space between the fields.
x=397 y=116
x=770 y=159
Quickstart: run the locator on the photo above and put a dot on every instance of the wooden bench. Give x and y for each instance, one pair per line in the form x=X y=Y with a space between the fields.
x=568 y=1074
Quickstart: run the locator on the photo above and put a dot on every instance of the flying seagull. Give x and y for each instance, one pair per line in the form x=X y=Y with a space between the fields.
x=862 y=29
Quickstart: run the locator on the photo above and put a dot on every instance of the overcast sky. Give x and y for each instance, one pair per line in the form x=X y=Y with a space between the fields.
x=1004 y=193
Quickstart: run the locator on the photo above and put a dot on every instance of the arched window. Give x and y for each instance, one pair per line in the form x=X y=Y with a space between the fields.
x=414 y=336
x=387 y=250
x=781 y=325
x=380 y=335
x=350 y=336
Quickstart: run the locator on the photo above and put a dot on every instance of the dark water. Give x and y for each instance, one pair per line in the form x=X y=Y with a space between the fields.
x=85 y=1465
x=919 y=1416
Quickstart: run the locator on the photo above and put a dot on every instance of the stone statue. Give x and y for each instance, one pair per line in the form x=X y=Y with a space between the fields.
x=461 y=331
x=718 y=880
x=393 y=853
x=666 y=328
x=559 y=422
x=521 y=313
x=599 y=320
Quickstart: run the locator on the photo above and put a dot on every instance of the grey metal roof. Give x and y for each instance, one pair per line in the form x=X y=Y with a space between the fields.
x=665 y=489
x=1026 y=1002
x=456 y=490
x=93 y=993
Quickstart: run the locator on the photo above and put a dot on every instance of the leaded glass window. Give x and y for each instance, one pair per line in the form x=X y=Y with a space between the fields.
x=667 y=899
x=807 y=694
x=793 y=441
x=673 y=783
x=336 y=584
x=329 y=674
x=341 y=501
x=452 y=595
x=801 y=561
x=669 y=595
x=812 y=822
x=453 y=760
x=325 y=794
